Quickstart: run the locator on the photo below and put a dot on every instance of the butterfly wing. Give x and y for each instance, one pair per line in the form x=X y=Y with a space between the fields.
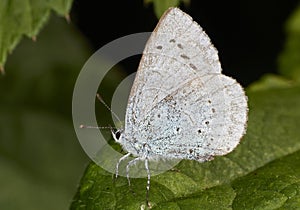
x=205 y=117
x=177 y=54
x=168 y=61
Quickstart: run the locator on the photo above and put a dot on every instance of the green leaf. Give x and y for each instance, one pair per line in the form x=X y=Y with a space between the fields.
x=274 y=186
x=160 y=6
x=289 y=59
x=272 y=135
x=18 y=18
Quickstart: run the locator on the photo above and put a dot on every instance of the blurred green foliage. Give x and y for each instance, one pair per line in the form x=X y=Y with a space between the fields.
x=289 y=59
x=40 y=158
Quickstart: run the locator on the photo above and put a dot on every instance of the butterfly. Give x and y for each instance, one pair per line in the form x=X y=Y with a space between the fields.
x=181 y=106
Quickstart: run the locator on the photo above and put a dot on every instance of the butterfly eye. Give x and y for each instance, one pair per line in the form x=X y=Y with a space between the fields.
x=118 y=134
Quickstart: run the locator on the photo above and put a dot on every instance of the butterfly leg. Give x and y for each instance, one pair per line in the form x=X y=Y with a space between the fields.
x=148 y=181
x=119 y=161
x=132 y=162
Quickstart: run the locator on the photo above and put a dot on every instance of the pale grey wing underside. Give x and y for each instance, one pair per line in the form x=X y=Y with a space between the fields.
x=168 y=61
x=197 y=121
x=180 y=103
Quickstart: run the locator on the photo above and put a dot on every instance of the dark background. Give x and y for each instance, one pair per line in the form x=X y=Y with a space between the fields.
x=249 y=35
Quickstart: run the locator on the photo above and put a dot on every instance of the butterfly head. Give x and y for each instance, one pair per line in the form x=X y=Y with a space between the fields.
x=117 y=134
x=133 y=147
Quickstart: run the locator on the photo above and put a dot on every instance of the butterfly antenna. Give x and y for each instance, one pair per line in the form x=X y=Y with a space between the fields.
x=96 y=127
x=107 y=107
